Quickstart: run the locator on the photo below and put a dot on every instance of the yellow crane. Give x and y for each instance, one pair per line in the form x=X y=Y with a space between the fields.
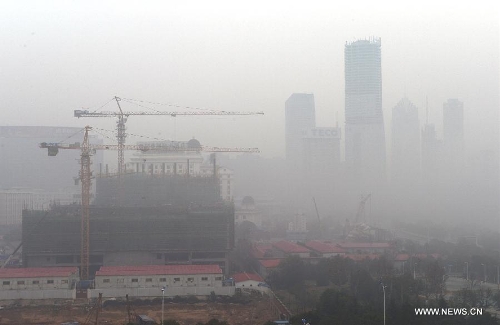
x=87 y=150
x=123 y=116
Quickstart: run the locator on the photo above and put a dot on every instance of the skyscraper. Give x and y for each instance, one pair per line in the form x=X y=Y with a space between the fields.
x=364 y=135
x=299 y=116
x=405 y=142
x=453 y=132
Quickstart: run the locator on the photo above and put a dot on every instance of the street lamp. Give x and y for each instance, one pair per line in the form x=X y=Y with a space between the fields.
x=162 y=303
x=414 y=266
x=383 y=288
x=467 y=271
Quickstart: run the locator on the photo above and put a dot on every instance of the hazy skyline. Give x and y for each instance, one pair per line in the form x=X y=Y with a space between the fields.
x=59 y=56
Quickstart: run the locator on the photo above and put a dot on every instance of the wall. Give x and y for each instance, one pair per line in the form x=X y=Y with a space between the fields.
x=155 y=281
x=37 y=294
x=156 y=292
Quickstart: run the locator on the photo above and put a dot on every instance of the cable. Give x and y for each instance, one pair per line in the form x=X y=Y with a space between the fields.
x=170 y=105
x=72 y=135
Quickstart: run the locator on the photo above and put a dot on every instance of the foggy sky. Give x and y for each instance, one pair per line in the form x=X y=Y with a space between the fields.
x=58 y=56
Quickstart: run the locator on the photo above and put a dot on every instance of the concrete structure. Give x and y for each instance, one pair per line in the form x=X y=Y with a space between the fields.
x=38 y=283
x=248 y=212
x=13 y=201
x=364 y=130
x=187 y=163
x=158 y=276
x=321 y=150
x=24 y=165
x=405 y=164
x=299 y=116
x=177 y=234
x=324 y=249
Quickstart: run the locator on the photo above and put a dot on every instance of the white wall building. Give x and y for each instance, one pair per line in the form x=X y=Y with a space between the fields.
x=13 y=201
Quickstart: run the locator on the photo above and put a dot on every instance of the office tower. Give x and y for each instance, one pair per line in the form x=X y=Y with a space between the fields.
x=431 y=154
x=321 y=149
x=364 y=134
x=299 y=116
x=405 y=165
x=453 y=132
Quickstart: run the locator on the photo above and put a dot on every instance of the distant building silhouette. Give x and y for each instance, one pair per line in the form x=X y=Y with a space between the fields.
x=364 y=131
x=299 y=116
x=453 y=135
x=405 y=142
x=431 y=154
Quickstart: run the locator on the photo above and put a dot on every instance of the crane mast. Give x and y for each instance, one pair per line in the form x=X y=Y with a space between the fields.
x=122 y=119
x=85 y=177
x=87 y=150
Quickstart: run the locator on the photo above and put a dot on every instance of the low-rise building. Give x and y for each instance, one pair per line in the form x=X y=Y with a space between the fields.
x=267 y=266
x=38 y=283
x=324 y=249
x=366 y=248
x=290 y=249
x=158 y=276
x=251 y=281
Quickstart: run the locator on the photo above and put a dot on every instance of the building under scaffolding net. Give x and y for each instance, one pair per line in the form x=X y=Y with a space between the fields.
x=137 y=220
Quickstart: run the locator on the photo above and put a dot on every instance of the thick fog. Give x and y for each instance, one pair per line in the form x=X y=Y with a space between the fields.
x=58 y=56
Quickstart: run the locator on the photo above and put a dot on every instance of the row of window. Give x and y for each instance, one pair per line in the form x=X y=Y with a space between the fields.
x=23 y=282
x=217 y=278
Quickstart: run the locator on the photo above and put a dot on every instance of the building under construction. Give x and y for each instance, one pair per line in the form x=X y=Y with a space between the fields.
x=137 y=219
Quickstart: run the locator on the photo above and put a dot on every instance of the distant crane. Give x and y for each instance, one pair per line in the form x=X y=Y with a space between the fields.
x=122 y=119
x=87 y=150
x=359 y=227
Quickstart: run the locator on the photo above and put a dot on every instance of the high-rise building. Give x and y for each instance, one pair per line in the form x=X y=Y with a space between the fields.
x=431 y=154
x=364 y=132
x=453 y=132
x=299 y=116
x=405 y=141
x=321 y=149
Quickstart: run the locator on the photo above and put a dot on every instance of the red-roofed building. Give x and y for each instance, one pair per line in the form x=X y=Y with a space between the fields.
x=39 y=278
x=250 y=281
x=324 y=249
x=289 y=249
x=267 y=266
x=362 y=257
x=150 y=276
x=262 y=251
x=366 y=248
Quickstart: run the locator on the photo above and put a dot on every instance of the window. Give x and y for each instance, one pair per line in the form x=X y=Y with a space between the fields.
x=64 y=281
x=218 y=278
x=20 y=282
x=6 y=283
x=149 y=280
x=190 y=279
x=36 y=282
x=120 y=280
x=177 y=279
x=105 y=281
x=135 y=280
x=204 y=278
x=50 y=281
x=163 y=279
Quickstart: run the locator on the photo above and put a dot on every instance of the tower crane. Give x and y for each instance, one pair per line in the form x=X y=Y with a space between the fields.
x=87 y=150
x=123 y=116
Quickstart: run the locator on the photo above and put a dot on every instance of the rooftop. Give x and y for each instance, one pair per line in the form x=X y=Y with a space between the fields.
x=364 y=245
x=324 y=247
x=159 y=270
x=289 y=247
x=269 y=264
x=38 y=272
x=362 y=257
x=261 y=250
